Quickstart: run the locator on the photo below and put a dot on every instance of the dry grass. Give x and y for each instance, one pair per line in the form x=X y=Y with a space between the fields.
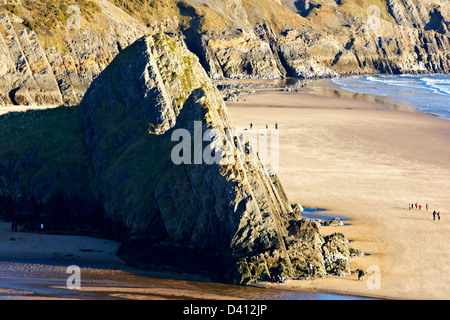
x=49 y=19
x=48 y=15
x=148 y=10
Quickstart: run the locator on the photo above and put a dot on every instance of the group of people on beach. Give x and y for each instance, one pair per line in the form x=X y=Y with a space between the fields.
x=416 y=205
x=24 y=227
x=277 y=279
x=267 y=126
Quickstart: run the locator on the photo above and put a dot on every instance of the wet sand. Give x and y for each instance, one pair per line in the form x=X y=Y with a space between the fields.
x=364 y=161
x=34 y=266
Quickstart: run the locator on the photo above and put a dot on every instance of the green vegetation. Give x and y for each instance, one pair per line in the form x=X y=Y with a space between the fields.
x=147 y=10
x=49 y=18
x=22 y=130
x=46 y=16
x=55 y=134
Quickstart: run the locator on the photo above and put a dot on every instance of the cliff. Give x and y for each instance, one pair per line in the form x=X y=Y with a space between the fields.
x=44 y=65
x=50 y=55
x=112 y=172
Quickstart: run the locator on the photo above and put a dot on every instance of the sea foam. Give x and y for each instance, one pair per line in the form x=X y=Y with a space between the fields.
x=427 y=93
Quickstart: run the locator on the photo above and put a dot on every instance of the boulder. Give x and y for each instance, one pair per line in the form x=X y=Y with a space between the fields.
x=333 y=223
x=336 y=254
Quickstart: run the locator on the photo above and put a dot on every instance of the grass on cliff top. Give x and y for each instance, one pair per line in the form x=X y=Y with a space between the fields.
x=355 y=7
x=146 y=10
x=49 y=18
x=260 y=11
x=46 y=15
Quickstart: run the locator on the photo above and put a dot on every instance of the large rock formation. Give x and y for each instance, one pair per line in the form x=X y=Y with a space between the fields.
x=233 y=39
x=228 y=218
x=233 y=219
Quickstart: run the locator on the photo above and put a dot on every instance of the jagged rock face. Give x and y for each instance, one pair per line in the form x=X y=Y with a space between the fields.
x=26 y=75
x=107 y=167
x=263 y=39
x=330 y=39
x=244 y=57
x=154 y=87
x=231 y=220
x=31 y=74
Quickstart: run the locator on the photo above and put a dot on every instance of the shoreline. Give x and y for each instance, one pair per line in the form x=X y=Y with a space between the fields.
x=323 y=87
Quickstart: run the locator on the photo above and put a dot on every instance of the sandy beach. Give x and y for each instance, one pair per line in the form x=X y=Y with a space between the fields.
x=364 y=161
x=356 y=159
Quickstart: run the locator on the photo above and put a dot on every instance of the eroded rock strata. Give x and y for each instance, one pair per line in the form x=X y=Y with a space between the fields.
x=265 y=39
x=114 y=175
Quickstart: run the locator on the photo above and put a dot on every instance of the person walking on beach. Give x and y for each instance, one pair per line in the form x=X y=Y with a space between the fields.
x=276 y=126
x=439 y=216
x=427 y=206
x=434 y=215
x=361 y=274
x=312 y=271
x=420 y=207
x=416 y=205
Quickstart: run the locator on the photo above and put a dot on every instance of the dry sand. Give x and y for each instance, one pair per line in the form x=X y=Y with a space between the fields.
x=356 y=159
x=22 y=245
x=7 y=109
x=365 y=162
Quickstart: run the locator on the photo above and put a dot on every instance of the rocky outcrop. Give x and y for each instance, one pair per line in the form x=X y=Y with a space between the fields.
x=222 y=218
x=35 y=75
x=331 y=40
x=228 y=218
x=243 y=56
x=26 y=76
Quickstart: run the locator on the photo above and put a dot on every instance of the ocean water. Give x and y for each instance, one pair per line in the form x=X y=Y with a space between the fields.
x=427 y=93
